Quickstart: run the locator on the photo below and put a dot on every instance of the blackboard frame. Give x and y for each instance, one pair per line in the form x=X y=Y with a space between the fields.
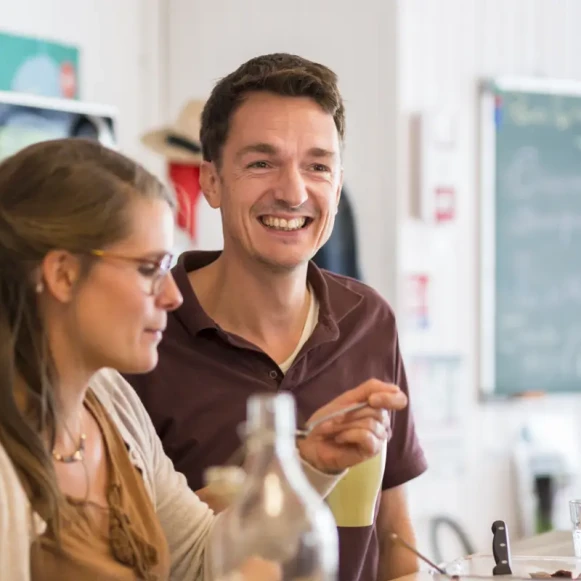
x=487 y=206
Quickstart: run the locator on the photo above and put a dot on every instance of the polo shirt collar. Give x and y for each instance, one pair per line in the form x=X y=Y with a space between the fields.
x=336 y=299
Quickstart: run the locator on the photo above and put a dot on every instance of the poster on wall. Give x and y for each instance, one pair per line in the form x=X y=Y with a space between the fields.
x=417 y=301
x=438 y=168
x=39 y=67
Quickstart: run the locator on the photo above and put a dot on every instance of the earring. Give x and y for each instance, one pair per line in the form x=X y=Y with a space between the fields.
x=39 y=288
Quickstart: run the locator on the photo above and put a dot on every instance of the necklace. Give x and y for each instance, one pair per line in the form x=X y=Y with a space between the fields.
x=77 y=456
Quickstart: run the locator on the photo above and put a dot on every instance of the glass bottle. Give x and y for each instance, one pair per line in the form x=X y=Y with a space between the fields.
x=224 y=484
x=277 y=515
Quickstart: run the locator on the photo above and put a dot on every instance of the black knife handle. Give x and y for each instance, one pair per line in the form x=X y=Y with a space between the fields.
x=501 y=548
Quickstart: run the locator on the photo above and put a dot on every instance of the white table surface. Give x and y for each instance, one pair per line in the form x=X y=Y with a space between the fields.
x=552 y=544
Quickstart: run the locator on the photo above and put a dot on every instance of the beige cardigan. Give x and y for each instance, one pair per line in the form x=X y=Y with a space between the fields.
x=185 y=519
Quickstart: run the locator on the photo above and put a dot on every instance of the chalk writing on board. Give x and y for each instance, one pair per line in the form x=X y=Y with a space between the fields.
x=559 y=113
x=537 y=351
x=525 y=177
x=527 y=221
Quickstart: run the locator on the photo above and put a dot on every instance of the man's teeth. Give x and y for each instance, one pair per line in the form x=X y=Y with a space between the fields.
x=282 y=224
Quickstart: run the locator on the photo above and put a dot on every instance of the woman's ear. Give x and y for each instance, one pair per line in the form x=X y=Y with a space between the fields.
x=59 y=272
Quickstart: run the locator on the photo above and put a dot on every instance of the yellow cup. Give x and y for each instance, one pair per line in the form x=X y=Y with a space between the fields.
x=354 y=498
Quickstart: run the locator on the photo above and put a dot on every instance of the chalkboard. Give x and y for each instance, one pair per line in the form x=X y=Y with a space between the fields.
x=530 y=316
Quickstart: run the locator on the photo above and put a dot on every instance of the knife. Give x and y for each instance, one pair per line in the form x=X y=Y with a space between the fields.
x=501 y=548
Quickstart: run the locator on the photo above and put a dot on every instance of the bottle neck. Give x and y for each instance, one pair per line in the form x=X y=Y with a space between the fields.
x=265 y=447
x=270 y=433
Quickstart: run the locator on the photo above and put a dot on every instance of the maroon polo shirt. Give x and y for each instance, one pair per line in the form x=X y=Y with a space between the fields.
x=197 y=394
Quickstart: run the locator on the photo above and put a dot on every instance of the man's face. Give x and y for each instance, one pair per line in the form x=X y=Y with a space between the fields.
x=279 y=181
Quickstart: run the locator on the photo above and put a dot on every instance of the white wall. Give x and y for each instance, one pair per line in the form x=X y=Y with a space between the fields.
x=120 y=56
x=445 y=48
x=210 y=39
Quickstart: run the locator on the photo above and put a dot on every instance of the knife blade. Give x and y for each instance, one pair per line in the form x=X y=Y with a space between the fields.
x=501 y=548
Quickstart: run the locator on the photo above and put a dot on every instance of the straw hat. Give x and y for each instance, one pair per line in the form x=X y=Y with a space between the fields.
x=179 y=142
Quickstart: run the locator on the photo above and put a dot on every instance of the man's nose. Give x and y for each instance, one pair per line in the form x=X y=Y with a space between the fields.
x=292 y=189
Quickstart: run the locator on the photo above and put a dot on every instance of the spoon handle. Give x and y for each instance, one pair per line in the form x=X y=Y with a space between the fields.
x=310 y=427
x=399 y=541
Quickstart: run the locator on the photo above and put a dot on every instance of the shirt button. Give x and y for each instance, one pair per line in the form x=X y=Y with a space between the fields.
x=273 y=374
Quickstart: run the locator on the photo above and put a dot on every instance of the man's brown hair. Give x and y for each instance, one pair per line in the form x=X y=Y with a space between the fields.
x=282 y=74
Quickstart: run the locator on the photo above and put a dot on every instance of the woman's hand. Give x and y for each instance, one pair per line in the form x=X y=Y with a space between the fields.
x=216 y=500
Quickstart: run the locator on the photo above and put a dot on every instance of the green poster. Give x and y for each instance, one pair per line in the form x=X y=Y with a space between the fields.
x=40 y=67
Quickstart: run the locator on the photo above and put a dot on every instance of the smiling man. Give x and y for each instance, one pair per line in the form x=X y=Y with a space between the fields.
x=260 y=316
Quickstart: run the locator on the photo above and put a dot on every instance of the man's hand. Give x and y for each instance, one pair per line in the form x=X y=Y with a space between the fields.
x=354 y=437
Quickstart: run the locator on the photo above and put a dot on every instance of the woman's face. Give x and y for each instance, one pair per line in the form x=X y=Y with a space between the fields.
x=120 y=309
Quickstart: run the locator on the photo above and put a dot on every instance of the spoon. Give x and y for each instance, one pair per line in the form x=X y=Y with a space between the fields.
x=399 y=541
x=238 y=455
x=310 y=427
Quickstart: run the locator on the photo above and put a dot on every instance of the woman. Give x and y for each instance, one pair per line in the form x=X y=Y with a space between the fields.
x=86 y=491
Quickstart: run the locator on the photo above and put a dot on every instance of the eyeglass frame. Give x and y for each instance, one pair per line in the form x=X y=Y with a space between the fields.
x=163 y=266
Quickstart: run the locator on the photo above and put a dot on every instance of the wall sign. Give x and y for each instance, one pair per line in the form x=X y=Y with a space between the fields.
x=445 y=204
x=417 y=301
x=438 y=168
x=39 y=67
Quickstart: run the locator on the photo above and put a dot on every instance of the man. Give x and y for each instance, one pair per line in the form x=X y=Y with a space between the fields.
x=260 y=316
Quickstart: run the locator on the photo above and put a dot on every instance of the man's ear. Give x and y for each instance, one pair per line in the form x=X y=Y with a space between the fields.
x=59 y=272
x=339 y=190
x=210 y=184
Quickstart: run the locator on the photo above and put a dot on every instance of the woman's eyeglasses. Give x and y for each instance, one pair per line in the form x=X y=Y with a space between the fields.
x=154 y=271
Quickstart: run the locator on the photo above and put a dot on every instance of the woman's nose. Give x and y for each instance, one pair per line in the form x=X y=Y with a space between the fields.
x=170 y=297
